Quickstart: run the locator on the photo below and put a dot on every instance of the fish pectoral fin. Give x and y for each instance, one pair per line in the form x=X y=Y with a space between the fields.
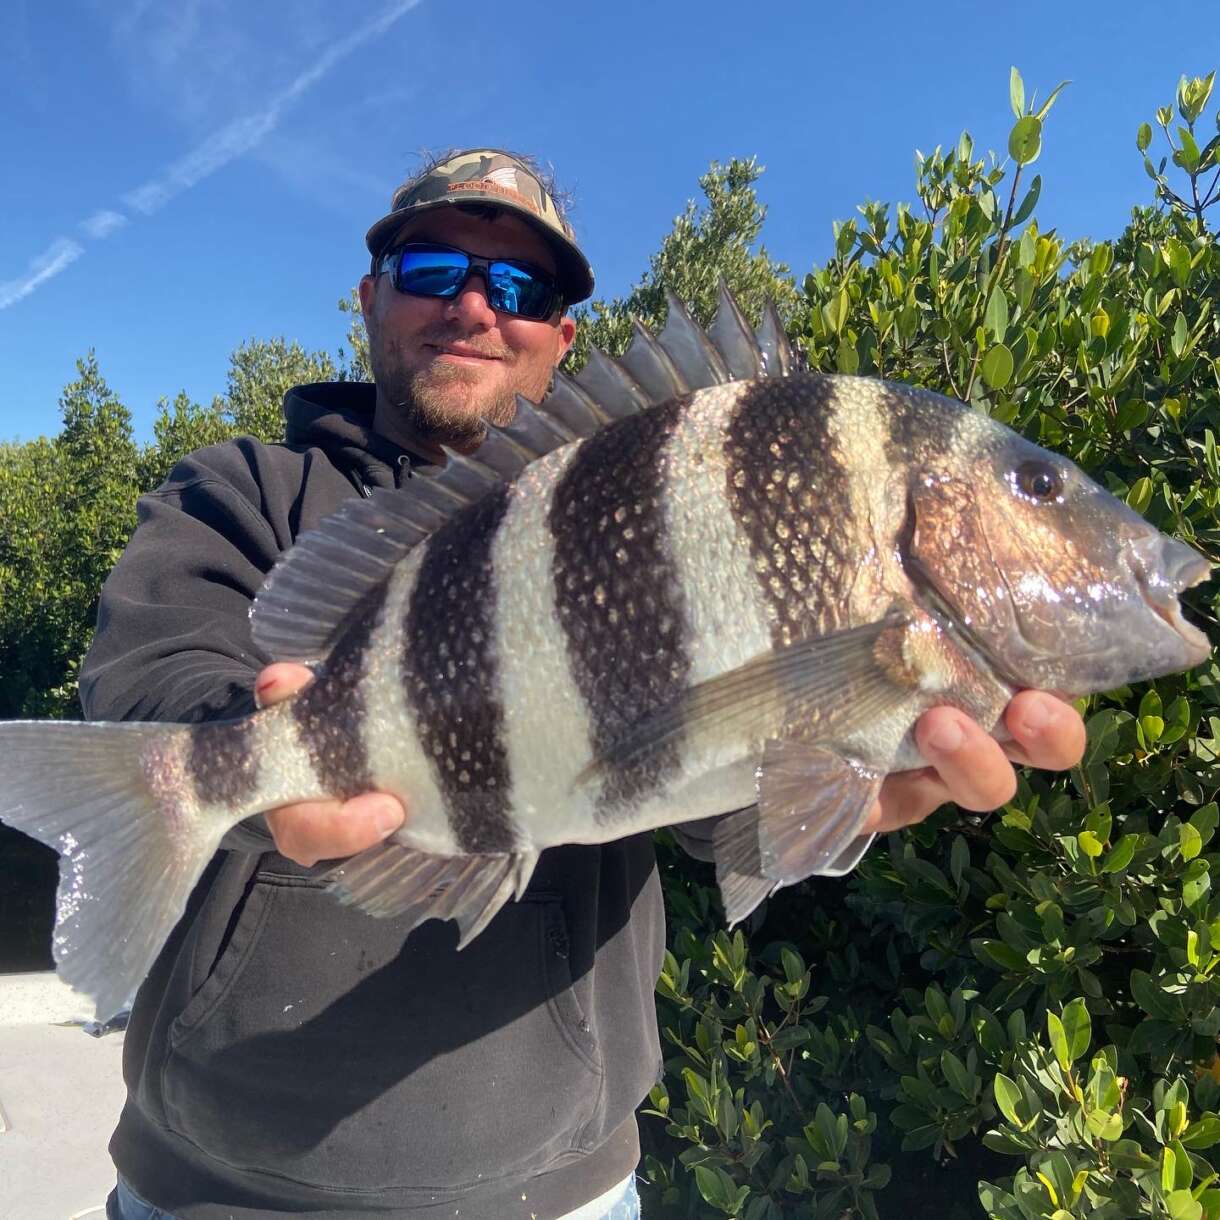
x=391 y=880
x=831 y=685
x=811 y=806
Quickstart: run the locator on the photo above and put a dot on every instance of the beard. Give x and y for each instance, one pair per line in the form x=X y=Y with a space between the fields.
x=446 y=403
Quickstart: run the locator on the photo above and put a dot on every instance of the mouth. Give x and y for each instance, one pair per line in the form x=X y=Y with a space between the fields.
x=1161 y=597
x=461 y=353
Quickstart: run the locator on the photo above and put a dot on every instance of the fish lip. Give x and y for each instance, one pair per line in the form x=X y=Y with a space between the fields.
x=1163 y=600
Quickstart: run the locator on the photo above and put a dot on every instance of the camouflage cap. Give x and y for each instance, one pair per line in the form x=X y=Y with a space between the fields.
x=489 y=176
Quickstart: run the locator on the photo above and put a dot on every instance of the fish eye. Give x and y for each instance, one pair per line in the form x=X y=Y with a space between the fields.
x=1038 y=480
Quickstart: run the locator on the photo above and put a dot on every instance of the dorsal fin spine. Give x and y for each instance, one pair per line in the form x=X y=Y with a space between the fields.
x=329 y=570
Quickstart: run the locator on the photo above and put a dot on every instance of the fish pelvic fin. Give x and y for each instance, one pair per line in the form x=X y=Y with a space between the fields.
x=812 y=804
x=392 y=880
x=132 y=842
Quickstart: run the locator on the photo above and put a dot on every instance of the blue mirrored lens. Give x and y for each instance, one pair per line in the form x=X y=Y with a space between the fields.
x=432 y=273
x=520 y=290
x=440 y=272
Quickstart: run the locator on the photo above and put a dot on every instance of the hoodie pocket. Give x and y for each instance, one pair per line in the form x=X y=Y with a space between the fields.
x=326 y=1048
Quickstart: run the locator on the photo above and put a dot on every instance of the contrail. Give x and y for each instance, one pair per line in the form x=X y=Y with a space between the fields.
x=59 y=254
x=243 y=134
x=231 y=141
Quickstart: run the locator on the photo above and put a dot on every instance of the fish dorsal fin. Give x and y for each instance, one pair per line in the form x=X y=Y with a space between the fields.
x=693 y=353
x=330 y=570
x=731 y=334
x=650 y=364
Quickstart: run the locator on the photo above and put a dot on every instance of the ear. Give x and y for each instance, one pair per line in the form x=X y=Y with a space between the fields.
x=366 y=290
x=566 y=333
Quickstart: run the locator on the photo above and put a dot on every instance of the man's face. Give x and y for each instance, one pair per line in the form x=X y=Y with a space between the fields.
x=442 y=366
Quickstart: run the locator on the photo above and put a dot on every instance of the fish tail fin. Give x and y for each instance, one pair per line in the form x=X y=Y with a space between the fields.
x=132 y=838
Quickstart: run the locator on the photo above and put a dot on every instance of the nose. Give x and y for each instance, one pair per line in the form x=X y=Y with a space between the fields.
x=471 y=304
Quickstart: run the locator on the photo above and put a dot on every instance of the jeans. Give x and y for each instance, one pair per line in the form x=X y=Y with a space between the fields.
x=125 y=1204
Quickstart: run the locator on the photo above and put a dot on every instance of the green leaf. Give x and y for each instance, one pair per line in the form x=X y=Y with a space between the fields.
x=1190 y=840
x=1078 y=1027
x=1131 y=415
x=1026 y=207
x=1007 y=1095
x=1090 y=844
x=1182 y=1206
x=1016 y=93
x=996 y=314
x=997 y=367
x=1059 y=1042
x=1120 y=855
x=1140 y=495
x=1025 y=140
x=1143 y=137
x=711 y=1186
x=1204 y=1132
x=1177 y=341
x=1050 y=101
x=960 y=1080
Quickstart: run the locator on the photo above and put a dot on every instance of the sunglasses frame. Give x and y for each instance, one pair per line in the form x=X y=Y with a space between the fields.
x=392 y=262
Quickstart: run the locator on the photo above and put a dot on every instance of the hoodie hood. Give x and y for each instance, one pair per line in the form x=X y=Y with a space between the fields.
x=337 y=416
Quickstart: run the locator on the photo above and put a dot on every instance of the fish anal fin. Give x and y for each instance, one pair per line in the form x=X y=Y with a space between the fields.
x=735 y=847
x=392 y=880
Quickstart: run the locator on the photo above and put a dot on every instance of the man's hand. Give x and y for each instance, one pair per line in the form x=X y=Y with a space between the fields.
x=323 y=830
x=971 y=768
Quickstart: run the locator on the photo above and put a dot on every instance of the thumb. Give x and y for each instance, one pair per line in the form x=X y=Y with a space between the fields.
x=280 y=681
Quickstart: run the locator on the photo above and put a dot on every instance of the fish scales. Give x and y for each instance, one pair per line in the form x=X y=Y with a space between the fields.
x=617 y=591
x=546 y=714
x=451 y=673
x=223 y=763
x=393 y=737
x=331 y=715
x=735 y=602
x=790 y=489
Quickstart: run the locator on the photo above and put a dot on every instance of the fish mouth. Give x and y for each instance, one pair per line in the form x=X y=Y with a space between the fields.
x=1181 y=568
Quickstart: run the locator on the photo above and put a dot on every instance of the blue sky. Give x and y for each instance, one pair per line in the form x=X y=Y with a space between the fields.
x=181 y=177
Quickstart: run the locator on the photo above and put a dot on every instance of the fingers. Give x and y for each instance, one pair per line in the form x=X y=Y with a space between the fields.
x=970 y=768
x=1047 y=732
x=970 y=763
x=278 y=681
x=906 y=797
x=310 y=831
x=326 y=830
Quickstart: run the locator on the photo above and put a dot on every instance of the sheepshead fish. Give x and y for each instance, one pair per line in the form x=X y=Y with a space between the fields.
x=693 y=581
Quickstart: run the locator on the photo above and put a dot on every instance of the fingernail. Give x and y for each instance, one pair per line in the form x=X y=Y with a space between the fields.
x=387 y=819
x=1035 y=717
x=262 y=688
x=947 y=737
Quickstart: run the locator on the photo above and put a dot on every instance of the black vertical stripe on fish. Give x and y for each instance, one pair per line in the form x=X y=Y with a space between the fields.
x=451 y=676
x=222 y=762
x=917 y=421
x=330 y=713
x=617 y=591
x=788 y=488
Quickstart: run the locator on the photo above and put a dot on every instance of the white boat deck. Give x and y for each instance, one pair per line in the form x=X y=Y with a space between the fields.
x=60 y=1096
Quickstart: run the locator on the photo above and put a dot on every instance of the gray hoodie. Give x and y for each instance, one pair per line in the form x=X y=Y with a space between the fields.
x=289 y=1056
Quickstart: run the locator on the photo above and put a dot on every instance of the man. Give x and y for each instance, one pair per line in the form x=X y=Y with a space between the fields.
x=289 y=1056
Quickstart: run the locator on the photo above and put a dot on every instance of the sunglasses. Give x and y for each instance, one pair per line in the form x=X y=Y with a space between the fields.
x=426 y=270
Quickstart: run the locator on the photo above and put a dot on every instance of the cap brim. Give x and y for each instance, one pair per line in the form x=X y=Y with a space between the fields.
x=575 y=274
